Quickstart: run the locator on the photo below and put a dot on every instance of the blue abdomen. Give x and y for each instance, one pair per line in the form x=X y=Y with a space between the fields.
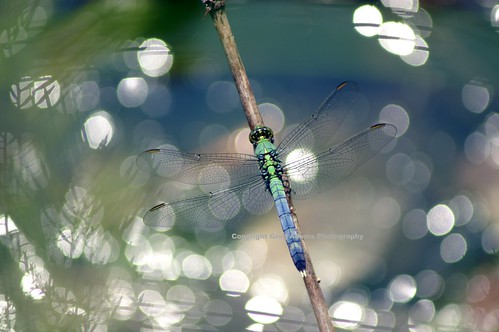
x=288 y=227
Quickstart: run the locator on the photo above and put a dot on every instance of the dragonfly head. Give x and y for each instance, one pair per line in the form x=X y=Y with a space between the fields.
x=261 y=133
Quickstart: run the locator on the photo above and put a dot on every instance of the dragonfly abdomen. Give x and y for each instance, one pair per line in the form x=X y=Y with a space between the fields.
x=292 y=239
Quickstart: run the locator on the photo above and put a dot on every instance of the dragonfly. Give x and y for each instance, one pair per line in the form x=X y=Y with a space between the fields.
x=304 y=164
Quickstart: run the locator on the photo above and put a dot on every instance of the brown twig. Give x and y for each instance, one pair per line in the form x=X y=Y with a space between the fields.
x=237 y=68
x=312 y=283
x=217 y=12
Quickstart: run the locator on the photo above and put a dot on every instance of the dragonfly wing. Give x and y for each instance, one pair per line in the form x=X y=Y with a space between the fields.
x=196 y=168
x=314 y=174
x=315 y=133
x=214 y=209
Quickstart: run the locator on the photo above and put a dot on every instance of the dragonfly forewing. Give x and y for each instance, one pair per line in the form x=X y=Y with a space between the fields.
x=312 y=175
x=194 y=168
x=316 y=133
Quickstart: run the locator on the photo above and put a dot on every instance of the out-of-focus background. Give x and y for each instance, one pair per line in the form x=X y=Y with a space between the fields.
x=409 y=242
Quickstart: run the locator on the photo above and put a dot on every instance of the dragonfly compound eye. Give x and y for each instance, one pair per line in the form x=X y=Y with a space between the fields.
x=260 y=133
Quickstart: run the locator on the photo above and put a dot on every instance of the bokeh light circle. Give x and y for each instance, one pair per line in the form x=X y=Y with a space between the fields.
x=155 y=58
x=271 y=285
x=98 y=129
x=422 y=311
x=494 y=16
x=346 y=315
x=234 y=282
x=475 y=96
x=440 y=220
x=453 y=248
x=386 y=212
x=430 y=284
x=490 y=239
x=217 y=312
x=477 y=148
x=402 y=6
x=196 y=267
x=420 y=54
x=402 y=288
x=46 y=91
x=132 y=91
x=273 y=116
x=397 y=116
x=397 y=38
x=305 y=172
x=367 y=19
x=222 y=97
x=400 y=169
x=414 y=224
x=264 y=309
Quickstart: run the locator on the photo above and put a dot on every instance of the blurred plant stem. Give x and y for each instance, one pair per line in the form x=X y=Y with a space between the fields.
x=217 y=12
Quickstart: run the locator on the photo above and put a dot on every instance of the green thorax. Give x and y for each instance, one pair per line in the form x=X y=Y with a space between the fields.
x=264 y=147
x=262 y=139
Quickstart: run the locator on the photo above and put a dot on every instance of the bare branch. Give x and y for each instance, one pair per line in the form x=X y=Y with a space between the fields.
x=217 y=12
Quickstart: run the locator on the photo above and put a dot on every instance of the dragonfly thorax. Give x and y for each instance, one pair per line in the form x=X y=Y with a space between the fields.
x=266 y=152
x=270 y=165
